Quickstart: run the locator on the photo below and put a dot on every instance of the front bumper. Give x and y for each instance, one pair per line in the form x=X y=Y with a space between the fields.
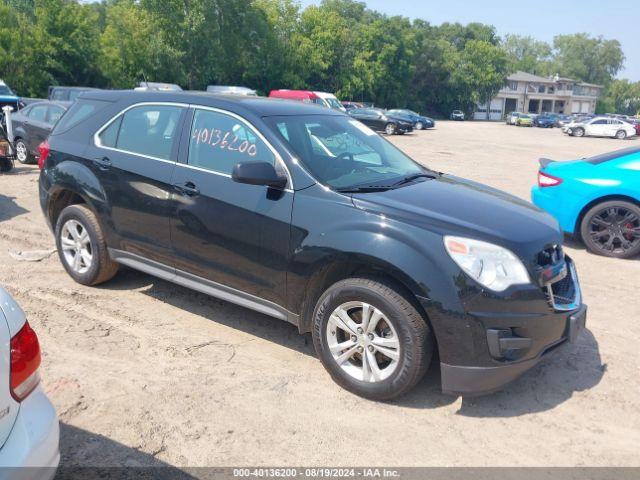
x=472 y=381
x=32 y=450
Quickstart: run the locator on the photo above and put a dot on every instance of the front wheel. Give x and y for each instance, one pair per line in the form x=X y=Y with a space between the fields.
x=612 y=229
x=371 y=338
x=578 y=132
x=621 y=134
x=390 y=129
x=419 y=126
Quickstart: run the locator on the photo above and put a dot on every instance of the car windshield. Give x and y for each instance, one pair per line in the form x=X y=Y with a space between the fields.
x=4 y=90
x=344 y=154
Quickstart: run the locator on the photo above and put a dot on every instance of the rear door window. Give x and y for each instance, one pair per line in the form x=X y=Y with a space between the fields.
x=38 y=113
x=54 y=114
x=219 y=141
x=149 y=130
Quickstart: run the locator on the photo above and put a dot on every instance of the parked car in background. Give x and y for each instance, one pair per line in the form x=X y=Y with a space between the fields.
x=596 y=199
x=66 y=94
x=32 y=125
x=7 y=97
x=351 y=105
x=381 y=259
x=636 y=124
x=420 y=122
x=231 y=90
x=512 y=118
x=457 y=115
x=544 y=121
x=382 y=121
x=158 y=87
x=524 y=120
x=564 y=120
x=29 y=429
x=600 y=127
x=324 y=99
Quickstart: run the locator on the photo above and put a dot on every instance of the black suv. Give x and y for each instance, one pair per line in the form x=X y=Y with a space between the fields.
x=307 y=215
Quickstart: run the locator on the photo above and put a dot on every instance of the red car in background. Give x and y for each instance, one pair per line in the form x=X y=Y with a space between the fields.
x=636 y=123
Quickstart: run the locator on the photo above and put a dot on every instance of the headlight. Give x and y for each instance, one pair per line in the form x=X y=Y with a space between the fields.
x=490 y=265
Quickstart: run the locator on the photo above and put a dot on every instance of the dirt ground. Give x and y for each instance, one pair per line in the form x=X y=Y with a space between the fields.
x=144 y=372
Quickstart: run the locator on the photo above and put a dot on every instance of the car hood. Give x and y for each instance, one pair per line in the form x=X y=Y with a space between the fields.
x=454 y=206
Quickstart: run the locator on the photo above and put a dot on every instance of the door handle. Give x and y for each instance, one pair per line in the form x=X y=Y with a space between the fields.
x=103 y=163
x=188 y=188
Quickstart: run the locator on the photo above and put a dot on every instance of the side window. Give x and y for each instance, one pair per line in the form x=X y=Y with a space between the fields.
x=55 y=112
x=79 y=111
x=149 y=130
x=38 y=113
x=109 y=136
x=218 y=142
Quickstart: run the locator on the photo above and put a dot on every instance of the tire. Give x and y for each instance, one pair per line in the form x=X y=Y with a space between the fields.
x=419 y=126
x=612 y=229
x=577 y=132
x=22 y=152
x=390 y=129
x=87 y=245
x=621 y=134
x=400 y=321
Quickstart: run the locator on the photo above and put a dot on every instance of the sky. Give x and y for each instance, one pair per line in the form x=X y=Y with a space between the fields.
x=541 y=19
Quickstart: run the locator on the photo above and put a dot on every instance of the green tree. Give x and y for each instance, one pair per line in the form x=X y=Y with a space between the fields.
x=586 y=58
x=130 y=50
x=527 y=54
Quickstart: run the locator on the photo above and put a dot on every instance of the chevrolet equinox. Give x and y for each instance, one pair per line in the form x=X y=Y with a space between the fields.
x=305 y=214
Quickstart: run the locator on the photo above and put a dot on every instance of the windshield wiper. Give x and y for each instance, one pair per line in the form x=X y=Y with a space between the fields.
x=364 y=189
x=411 y=178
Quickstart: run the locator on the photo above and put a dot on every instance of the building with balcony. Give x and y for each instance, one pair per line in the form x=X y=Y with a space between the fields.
x=525 y=92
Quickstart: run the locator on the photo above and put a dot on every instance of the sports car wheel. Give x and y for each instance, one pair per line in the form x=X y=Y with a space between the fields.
x=612 y=229
x=419 y=125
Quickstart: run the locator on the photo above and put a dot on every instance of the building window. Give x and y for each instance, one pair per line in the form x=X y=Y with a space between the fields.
x=541 y=88
x=513 y=85
x=551 y=89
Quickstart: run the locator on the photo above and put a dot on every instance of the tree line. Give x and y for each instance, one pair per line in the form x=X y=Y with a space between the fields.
x=338 y=46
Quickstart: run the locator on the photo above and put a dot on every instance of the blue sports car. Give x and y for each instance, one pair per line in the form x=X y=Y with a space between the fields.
x=596 y=199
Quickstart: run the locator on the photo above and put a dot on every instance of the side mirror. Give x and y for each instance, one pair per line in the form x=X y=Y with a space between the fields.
x=258 y=173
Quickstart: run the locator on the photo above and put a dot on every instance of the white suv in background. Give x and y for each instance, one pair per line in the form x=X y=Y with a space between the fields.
x=29 y=430
x=600 y=127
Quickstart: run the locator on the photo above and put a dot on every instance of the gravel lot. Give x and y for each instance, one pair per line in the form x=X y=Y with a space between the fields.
x=144 y=372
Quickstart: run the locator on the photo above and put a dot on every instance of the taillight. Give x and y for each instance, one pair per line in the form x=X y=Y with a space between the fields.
x=546 y=180
x=25 y=360
x=43 y=150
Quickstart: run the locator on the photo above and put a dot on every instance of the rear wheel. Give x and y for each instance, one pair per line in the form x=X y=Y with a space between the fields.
x=371 y=339
x=22 y=152
x=621 y=134
x=390 y=129
x=612 y=229
x=82 y=248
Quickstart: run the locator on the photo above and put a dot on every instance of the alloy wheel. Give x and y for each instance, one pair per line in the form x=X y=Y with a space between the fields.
x=419 y=126
x=76 y=246
x=621 y=135
x=363 y=341
x=21 y=152
x=615 y=229
x=390 y=129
